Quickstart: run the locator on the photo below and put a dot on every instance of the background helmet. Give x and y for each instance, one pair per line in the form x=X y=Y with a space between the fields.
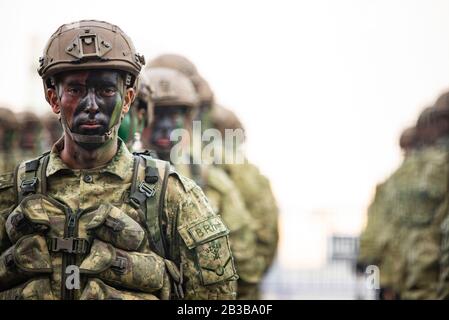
x=186 y=67
x=408 y=139
x=8 y=119
x=222 y=118
x=171 y=88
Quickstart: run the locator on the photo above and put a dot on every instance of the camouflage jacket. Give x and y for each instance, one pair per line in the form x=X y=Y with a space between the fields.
x=205 y=260
x=261 y=203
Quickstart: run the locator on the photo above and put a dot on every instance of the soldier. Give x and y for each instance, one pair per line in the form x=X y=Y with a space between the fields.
x=252 y=185
x=8 y=136
x=138 y=117
x=30 y=135
x=174 y=102
x=90 y=220
x=426 y=205
x=379 y=243
x=255 y=188
x=53 y=129
x=402 y=235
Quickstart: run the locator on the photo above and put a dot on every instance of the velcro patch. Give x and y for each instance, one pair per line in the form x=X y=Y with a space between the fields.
x=203 y=231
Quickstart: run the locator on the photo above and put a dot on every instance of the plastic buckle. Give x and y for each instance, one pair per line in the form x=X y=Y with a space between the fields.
x=69 y=245
x=149 y=191
x=114 y=224
x=28 y=186
x=119 y=265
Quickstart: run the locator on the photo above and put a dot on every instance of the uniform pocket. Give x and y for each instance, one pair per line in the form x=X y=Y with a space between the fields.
x=98 y=290
x=133 y=270
x=28 y=257
x=32 y=216
x=112 y=225
x=36 y=289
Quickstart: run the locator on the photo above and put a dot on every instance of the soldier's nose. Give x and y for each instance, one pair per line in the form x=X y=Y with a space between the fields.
x=91 y=104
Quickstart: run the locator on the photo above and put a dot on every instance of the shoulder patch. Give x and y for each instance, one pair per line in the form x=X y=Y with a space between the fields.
x=202 y=231
x=6 y=180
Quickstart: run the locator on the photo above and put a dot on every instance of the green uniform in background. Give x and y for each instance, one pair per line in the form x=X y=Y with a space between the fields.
x=422 y=207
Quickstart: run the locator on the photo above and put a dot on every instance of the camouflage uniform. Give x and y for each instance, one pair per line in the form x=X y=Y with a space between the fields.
x=423 y=247
x=133 y=228
x=423 y=211
x=31 y=142
x=80 y=190
x=219 y=189
x=8 y=147
x=53 y=129
x=256 y=192
x=382 y=237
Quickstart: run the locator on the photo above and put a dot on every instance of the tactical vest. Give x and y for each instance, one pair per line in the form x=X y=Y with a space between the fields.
x=145 y=195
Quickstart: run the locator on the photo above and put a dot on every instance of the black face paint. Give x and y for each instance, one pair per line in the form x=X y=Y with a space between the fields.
x=95 y=101
x=166 y=119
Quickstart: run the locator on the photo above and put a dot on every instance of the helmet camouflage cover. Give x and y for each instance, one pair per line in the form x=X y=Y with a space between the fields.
x=171 y=88
x=186 y=67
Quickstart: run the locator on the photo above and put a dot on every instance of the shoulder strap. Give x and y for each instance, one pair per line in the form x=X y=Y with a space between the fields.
x=30 y=177
x=148 y=193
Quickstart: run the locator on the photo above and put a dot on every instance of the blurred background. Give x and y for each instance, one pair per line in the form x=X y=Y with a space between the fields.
x=324 y=89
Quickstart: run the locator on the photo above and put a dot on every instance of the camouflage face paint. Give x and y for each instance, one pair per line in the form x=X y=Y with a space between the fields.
x=91 y=102
x=166 y=119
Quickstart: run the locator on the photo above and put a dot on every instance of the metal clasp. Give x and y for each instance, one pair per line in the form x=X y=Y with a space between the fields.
x=149 y=191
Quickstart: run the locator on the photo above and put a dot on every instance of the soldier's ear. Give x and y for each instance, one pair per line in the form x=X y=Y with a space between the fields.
x=130 y=95
x=53 y=100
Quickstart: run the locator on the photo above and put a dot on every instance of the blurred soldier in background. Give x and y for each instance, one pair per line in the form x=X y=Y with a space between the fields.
x=137 y=118
x=402 y=233
x=427 y=204
x=53 y=129
x=378 y=240
x=8 y=139
x=31 y=142
x=175 y=103
x=253 y=186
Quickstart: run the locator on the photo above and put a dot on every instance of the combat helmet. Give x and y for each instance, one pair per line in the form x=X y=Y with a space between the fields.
x=170 y=87
x=186 y=67
x=8 y=119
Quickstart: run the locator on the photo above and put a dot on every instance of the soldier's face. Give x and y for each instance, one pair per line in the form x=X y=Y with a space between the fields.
x=166 y=119
x=90 y=102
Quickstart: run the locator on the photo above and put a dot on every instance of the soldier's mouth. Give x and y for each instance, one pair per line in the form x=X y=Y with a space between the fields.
x=90 y=126
x=163 y=142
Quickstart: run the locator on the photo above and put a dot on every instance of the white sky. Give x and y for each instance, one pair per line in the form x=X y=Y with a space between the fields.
x=323 y=87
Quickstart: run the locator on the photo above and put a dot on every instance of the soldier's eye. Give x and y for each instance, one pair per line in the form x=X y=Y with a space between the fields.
x=75 y=91
x=108 y=91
